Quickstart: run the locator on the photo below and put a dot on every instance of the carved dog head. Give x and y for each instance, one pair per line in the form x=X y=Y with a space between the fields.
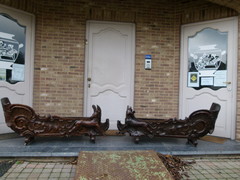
x=130 y=113
x=97 y=112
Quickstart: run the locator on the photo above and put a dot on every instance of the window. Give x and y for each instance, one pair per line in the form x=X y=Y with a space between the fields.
x=12 y=49
x=207 y=59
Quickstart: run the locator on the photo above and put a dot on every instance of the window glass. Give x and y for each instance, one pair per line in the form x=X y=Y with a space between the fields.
x=12 y=50
x=207 y=59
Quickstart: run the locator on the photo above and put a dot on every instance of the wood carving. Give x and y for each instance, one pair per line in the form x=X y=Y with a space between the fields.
x=24 y=121
x=198 y=124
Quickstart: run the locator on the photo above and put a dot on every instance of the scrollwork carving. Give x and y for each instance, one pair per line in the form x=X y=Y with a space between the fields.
x=24 y=121
x=197 y=125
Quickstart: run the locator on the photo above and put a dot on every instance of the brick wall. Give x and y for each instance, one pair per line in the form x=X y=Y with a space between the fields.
x=59 y=66
x=60 y=56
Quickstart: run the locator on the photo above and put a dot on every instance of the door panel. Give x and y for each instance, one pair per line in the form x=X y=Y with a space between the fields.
x=200 y=101
x=208 y=71
x=109 y=69
x=16 y=58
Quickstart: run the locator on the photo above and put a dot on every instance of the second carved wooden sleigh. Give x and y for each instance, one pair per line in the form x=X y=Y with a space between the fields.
x=24 y=121
x=197 y=125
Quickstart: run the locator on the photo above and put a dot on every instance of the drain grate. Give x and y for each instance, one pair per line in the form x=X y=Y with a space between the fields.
x=5 y=166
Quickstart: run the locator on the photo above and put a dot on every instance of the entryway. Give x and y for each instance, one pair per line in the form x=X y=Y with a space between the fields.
x=109 y=70
x=209 y=71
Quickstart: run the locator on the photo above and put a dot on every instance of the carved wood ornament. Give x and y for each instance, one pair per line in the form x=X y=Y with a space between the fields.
x=198 y=124
x=24 y=121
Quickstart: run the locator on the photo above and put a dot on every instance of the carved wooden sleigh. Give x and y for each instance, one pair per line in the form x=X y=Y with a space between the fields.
x=198 y=124
x=24 y=121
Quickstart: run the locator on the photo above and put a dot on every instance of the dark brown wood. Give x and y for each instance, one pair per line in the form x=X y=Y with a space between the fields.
x=198 y=124
x=24 y=121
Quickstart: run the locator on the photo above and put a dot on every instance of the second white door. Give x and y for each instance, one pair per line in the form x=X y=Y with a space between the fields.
x=109 y=77
x=16 y=59
x=208 y=71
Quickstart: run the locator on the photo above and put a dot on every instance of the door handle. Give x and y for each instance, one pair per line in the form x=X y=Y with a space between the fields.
x=89 y=79
x=227 y=82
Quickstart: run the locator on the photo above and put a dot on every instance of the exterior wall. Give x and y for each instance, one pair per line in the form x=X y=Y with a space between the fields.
x=60 y=49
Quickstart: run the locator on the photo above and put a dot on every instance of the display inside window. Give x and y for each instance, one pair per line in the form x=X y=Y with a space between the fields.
x=207 y=59
x=12 y=50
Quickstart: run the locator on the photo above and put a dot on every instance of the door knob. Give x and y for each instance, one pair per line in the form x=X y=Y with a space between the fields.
x=89 y=79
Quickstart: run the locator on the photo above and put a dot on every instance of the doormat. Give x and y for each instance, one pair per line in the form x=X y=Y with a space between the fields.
x=213 y=139
x=120 y=165
x=113 y=133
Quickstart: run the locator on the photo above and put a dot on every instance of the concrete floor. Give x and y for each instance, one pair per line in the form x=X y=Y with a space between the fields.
x=36 y=161
x=70 y=147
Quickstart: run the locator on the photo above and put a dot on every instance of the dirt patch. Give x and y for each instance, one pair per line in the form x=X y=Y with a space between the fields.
x=5 y=166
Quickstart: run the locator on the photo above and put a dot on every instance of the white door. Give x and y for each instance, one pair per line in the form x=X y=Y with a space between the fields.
x=209 y=71
x=16 y=58
x=109 y=78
